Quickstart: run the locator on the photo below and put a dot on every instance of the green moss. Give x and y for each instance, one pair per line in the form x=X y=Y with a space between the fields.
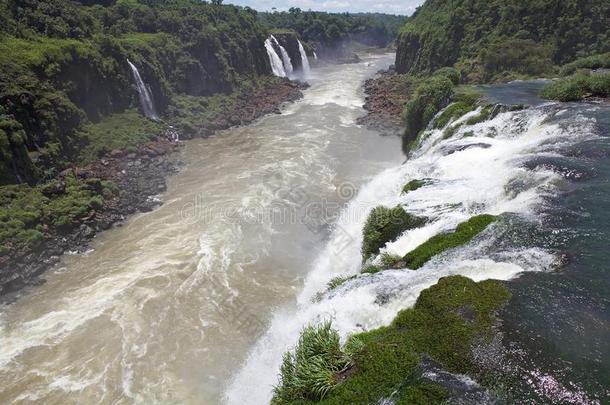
x=576 y=87
x=384 y=225
x=446 y=321
x=451 y=113
x=463 y=234
x=414 y=185
x=484 y=115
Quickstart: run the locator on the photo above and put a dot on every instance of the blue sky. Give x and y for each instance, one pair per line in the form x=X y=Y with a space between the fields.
x=381 y=6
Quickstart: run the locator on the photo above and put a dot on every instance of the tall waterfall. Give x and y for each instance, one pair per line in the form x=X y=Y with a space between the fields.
x=276 y=63
x=304 y=60
x=144 y=94
x=285 y=58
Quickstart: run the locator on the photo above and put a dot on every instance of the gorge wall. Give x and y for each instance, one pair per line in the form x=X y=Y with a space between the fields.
x=496 y=40
x=64 y=64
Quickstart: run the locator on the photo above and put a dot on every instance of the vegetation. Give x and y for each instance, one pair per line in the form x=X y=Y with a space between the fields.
x=446 y=323
x=501 y=40
x=312 y=369
x=601 y=61
x=329 y=30
x=414 y=185
x=26 y=211
x=337 y=281
x=123 y=131
x=578 y=86
x=463 y=234
x=431 y=96
x=64 y=72
x=384 y=225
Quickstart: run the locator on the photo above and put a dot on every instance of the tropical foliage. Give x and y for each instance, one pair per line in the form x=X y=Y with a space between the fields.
x=502 y=39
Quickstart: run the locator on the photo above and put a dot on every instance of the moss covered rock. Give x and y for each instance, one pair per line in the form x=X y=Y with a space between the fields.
x=385 y=364
x=385 y=225
x=463 y=234
x=414 y=185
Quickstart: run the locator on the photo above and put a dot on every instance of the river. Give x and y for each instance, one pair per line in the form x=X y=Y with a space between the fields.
x=165 y=307
x=196 y=301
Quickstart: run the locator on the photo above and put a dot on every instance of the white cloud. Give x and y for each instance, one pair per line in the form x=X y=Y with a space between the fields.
x=406 y=7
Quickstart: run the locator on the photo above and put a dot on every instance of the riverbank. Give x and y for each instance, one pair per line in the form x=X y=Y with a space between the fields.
x=120 y=183
x=386 y=96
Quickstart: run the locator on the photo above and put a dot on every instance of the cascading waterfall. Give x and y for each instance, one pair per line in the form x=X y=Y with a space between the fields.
x=285 y=58
x=479 y=169
x=315 y=55
x=276 y=63
x=304 y=60
x=144 y=94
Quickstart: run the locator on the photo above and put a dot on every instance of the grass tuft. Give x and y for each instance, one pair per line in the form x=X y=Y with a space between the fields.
x=312 y=370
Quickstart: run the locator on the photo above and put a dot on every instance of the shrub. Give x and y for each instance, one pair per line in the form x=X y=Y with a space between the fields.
x=463 y=234
x=429 y=98
x=450 y=73
x=384 y=225
x=576 y=87
x=601 y=61
x=311 y=371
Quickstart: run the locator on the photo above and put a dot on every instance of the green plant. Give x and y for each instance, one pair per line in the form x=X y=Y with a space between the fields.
x=311 y=370
x=447 y=320
x=429 y=98
x=390 y=261
x=576 y=87
x=384 y=225
x=337 y=281
x=414 y=185
x=371 y=269
x=463 y=234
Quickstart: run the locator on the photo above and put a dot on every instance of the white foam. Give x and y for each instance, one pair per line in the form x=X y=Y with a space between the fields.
x=462 y=184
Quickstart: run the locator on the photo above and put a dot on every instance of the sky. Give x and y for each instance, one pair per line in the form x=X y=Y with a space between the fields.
x=406 y=7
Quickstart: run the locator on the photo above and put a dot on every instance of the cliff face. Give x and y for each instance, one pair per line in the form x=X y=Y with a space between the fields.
x=493 y=37
x=407 y=52
x=65 y=65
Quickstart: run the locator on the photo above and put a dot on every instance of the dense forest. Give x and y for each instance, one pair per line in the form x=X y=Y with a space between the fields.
x=64 y=65
x=326 y=32
x=500 y=39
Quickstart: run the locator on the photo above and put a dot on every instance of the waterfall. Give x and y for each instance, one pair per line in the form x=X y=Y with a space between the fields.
x=285 y=58
x=274 y=59
x=479 y=169
x=315 y=55
x=304 y=60
x=144 y=94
